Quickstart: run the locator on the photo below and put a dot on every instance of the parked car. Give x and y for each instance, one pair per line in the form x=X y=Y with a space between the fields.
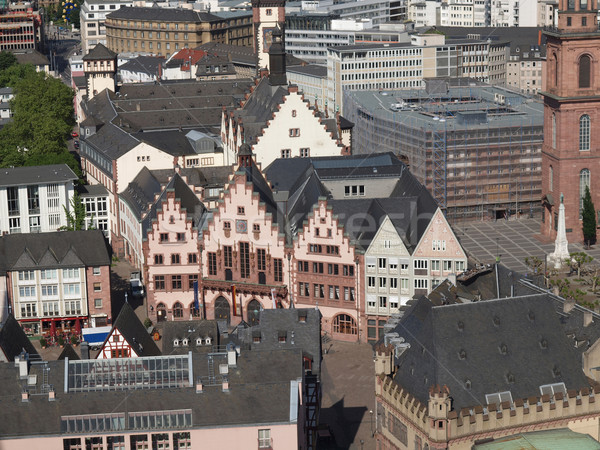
x=76 y=144
x=75 y=134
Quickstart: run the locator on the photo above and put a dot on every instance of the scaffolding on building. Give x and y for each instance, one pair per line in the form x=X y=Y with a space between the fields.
x=476 y=147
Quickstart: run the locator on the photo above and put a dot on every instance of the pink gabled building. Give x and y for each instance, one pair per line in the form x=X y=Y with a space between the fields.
x=245 y=263
x=326 y=266
x=171 y=252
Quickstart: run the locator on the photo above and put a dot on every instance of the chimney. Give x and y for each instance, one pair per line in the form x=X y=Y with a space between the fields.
x=25 y=396
x=51 y=395
x=225 y=385
x=231 y=356
x=588 y=318
x=568 y=305
x=199 y=387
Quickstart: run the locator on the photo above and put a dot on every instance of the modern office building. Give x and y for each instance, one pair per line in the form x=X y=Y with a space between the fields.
x=406 y=65
x=20 y=27
x=92 y=18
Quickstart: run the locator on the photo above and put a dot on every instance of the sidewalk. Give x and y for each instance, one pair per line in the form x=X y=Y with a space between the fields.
x=348 y=389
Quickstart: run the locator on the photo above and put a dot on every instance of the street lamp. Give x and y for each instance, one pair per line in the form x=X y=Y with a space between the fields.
x=372 y=431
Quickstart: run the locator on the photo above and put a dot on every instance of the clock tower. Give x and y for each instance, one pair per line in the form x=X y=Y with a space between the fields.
x=267 y=15
x=571 y=150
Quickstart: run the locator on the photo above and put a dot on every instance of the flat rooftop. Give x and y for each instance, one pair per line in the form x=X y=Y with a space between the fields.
x=459 y=108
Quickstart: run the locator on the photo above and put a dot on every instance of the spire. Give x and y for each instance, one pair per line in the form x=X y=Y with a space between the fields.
x=277 y=67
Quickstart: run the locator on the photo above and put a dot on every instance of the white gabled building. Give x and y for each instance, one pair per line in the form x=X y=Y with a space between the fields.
x=277 y=122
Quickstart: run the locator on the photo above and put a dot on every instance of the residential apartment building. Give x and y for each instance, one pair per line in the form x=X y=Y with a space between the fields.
x=164 y=31
x=524 y=68
x=35 y=199
x=95 y=200
x=21 y=27
x=311 y=80
x=58 y=279
x=92 y=21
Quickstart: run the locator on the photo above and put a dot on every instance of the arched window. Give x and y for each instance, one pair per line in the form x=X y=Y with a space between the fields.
x=584 y=181
x=178 y=310
x=584 y=71
x=551 y=180
x=553 y=130
x=584 y=133
x=161 y=312
x=344 y=324
x=253 y=312
x=193 y=311
x=555 y=70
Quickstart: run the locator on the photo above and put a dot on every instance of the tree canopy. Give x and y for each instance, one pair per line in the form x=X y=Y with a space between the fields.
x=588 y=218
x=42 y=119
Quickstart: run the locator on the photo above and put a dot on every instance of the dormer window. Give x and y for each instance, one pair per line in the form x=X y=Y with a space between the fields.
x=198 y=342
x=176 y=343
x=208 y=340
x=185 y=342
x=282 y=337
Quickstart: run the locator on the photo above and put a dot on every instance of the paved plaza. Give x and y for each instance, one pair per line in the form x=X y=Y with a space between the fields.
x=511 y=240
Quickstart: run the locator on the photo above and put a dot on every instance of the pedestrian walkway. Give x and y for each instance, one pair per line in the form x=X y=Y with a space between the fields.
x=511 y=241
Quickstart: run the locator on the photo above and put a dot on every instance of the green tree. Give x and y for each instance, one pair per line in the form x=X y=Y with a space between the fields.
x=589 y=218
x=577 y=261
x=7 y=59
x=534 y=263
x=42 y=120
x=75 y=217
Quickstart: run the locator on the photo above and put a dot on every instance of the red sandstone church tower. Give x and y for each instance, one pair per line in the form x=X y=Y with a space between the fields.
x=571 y=151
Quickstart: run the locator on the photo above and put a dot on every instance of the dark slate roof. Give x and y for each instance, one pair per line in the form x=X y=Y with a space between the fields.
x=362 y=218
x=162 y=14
x=13 y=340
x=112 y=141
x=309 y=69
x=259 y=108
x=139 y=194
x=287 y=323
x=177 y=104
x=31 y=57
x=20 y=176
x=486 y=344
x=345 y=124
x=261 y=186
x=196 y=211
x=291 y=176
x=92 y=190
x=259 y=393
x=173 y=142
x=134 y=333
x=193 y=175
x=143 y=64
x=99 y=52
x=239 y=54
x=68 y=352
x=53 y=250
x=191 y=330
x=80 y=82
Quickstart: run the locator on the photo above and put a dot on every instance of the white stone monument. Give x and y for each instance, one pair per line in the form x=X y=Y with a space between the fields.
x=561 y=245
